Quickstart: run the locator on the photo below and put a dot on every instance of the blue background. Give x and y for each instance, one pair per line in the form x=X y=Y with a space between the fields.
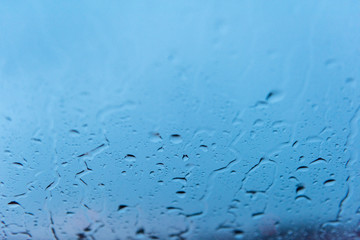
x=179 y=119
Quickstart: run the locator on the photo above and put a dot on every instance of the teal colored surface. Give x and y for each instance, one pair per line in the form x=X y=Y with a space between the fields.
x=179 y=120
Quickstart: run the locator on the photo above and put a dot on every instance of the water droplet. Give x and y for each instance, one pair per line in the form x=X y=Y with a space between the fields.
x=204 y=148
x=140 y=231
x=274 y=96
x=175 y=139
x=155 y=137
x=181 y=194
x=122 y=207
x=329 y=182
x=130 y=158
x=239 y=234
x=300 y=189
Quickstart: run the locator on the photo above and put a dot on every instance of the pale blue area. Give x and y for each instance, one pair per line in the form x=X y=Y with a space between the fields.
x=179 y=119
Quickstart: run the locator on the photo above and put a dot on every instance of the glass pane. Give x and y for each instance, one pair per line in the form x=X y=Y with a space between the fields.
x=180 y=120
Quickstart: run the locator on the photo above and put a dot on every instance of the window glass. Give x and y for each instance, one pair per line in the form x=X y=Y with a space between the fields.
x=179 y=120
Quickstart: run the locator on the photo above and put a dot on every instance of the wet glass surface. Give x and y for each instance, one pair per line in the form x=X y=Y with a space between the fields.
x=180 y=120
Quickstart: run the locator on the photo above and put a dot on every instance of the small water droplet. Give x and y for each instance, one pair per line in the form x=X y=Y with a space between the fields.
x=122 y=207
x=185 y=157
x=181 y=194
x=175 y=139
x=329 y=182
x=239 y=234
x=140 y=231
x=155 y=137
x=130 y=158
x=274 y=96
x=204 y=148
x=300 y=189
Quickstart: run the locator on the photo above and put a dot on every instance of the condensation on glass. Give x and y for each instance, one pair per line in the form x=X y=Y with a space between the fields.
x=180 y=120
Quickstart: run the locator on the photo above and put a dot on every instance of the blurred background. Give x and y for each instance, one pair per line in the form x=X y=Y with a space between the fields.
x=179 y=120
